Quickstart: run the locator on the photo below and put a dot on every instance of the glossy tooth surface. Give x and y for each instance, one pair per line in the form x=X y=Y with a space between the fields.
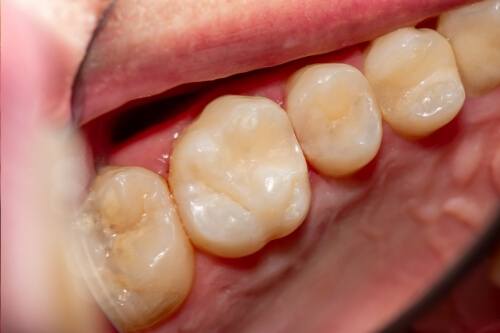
x=474 y=34
x=335 y=116
x=137 y=259
x=239 y=176
x=415 y=79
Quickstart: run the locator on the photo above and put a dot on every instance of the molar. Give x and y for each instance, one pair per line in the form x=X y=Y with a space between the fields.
x=239 y=176
x=335 y=117
x=474 y=34
x=138 y=262
x=415 y=79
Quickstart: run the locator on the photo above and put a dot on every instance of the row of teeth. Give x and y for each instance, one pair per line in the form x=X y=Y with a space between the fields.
x=238 y=173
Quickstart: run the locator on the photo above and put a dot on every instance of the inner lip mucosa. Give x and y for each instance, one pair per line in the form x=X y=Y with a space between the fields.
x=372 y=243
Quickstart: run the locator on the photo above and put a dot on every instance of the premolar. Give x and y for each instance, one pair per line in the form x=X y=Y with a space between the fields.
x=138 y=261
x=415 y=79
x=239 y=176
x=474 y=34
x=335 y=116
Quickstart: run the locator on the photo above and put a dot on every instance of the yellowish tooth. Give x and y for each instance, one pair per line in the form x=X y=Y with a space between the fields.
x=335 y=117
x=415 y=79
x=239 y=177
x=474 y=34
x=137 y=259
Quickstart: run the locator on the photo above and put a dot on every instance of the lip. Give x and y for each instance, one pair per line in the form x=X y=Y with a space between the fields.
x=38 y=65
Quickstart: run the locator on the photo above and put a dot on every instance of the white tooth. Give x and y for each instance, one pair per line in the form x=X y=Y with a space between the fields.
x=138 y=261
x=474 y=34
x=239 y=176
x=335 y=116
x=415 y=79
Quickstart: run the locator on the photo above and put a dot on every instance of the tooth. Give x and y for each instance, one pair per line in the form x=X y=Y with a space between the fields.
x=138 y=260
x=474 y=34
x=335 y=116
x=239 y=176
x=415 y=79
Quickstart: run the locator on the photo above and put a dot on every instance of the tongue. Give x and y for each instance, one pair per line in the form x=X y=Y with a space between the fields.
x=146 y=49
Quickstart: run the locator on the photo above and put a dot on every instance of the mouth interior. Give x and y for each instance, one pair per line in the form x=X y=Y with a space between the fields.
x=373 y=242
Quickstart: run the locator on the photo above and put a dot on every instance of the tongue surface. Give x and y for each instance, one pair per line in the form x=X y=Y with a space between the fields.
x=372 y=244
x=145 y=49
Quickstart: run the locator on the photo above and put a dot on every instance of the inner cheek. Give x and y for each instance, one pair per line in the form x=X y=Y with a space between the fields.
x=378 y=237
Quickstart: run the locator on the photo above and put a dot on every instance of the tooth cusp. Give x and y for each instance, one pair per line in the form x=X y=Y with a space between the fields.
x=136 y=258
x=239 y=176
x=335 y=117
x=415 y=79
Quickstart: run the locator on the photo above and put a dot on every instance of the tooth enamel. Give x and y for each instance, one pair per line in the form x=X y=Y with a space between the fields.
x=474 y=34
x=415 y=79
x=335 y=117
x=239 y=176
x=139 y=263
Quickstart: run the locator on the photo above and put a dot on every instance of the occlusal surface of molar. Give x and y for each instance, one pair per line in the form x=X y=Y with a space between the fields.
x=335 y=116
x=239 y=177
x=138 y=262
x=415 y=79
x=474 y=34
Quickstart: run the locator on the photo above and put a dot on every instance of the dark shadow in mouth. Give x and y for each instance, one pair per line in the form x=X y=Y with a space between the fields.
x=134 y=120
x=145 y=115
